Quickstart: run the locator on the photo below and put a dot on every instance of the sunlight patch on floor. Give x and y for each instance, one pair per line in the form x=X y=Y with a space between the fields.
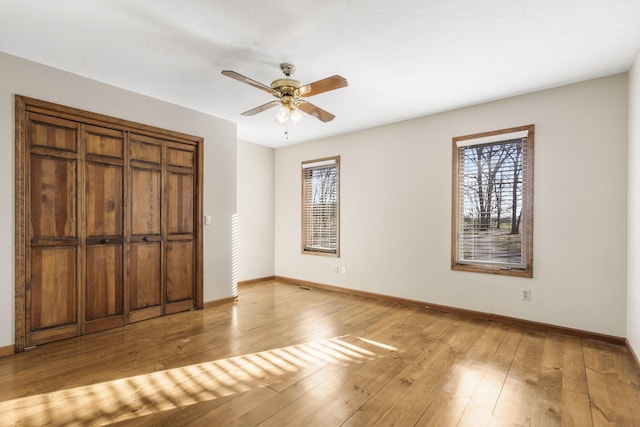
x=127 y=398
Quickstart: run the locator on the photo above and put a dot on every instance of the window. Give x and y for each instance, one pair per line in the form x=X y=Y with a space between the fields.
x=492 y=227
x=320 y=206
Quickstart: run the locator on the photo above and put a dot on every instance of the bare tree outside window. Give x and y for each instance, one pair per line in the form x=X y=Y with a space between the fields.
x=492 y=194
x=492 y=199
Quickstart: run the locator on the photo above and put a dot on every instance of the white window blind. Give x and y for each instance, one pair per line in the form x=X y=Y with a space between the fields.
x=492 y=138
x=320 y=206
x=492 y=188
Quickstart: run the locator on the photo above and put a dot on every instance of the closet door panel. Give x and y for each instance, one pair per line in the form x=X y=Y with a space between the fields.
x=104 y=142
x=104 y=200
x=145 y=202
x=53 y=287
x=181 y=155
x=180 y=203
x=52 y=132
x=144 y=270
x=53 y=198
x=145 y=149
x=103 y=287
x=180 y=275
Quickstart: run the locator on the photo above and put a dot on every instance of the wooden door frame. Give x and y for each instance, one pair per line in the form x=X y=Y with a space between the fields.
x=24 y=105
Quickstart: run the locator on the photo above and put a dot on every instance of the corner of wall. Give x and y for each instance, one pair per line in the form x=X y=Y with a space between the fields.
x=255 y=211
x=633 y=203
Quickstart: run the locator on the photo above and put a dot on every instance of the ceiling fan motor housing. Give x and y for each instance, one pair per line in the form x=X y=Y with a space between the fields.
x=286 y=86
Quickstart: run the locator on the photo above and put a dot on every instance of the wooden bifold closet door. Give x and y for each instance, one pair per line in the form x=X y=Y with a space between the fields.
x=146 y=244
x=180 y=227
x=111 y=222
x=104 y=237
x=53 y=261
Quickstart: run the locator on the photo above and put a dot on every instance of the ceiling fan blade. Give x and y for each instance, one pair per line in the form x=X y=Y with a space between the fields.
x=248 y=81
x=314 y=111
x=324 y=85
x=261 y=108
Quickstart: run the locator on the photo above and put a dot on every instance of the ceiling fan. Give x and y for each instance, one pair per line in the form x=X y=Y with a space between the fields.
x=291 y=95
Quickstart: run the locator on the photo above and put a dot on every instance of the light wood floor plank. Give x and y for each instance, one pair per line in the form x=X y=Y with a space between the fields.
x=614 y=392
x=574 y=392
x=479 y=381
x=519 y=391
x=287 y=356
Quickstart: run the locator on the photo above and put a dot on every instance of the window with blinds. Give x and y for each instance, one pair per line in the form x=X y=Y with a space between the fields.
x=493 y=202
x=321 y=206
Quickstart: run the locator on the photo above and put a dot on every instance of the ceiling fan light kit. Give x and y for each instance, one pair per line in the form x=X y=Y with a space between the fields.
x=291 y=94
x=288 y=113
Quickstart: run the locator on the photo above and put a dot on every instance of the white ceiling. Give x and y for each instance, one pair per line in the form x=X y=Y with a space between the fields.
x=402 y=58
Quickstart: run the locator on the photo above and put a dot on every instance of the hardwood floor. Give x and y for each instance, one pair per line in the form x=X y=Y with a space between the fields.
x=284 y=355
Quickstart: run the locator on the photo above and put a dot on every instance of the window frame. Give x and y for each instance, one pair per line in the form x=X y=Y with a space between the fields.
x=311 y=164
x=506 y=269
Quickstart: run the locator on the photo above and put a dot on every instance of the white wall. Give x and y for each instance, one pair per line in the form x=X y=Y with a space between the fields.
x=34 y=80
x=633 y=265
x=396 y=209
x=255 y=211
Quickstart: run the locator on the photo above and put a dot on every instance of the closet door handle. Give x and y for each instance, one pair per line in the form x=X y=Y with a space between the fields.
x=104 y=241
x=145 y=238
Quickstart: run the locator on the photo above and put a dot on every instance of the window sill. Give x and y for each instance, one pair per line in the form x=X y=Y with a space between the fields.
x=501 y=271
x=321 y=253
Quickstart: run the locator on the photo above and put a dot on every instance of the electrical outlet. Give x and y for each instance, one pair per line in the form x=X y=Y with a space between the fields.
x=336 y=269
x=526 y=295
